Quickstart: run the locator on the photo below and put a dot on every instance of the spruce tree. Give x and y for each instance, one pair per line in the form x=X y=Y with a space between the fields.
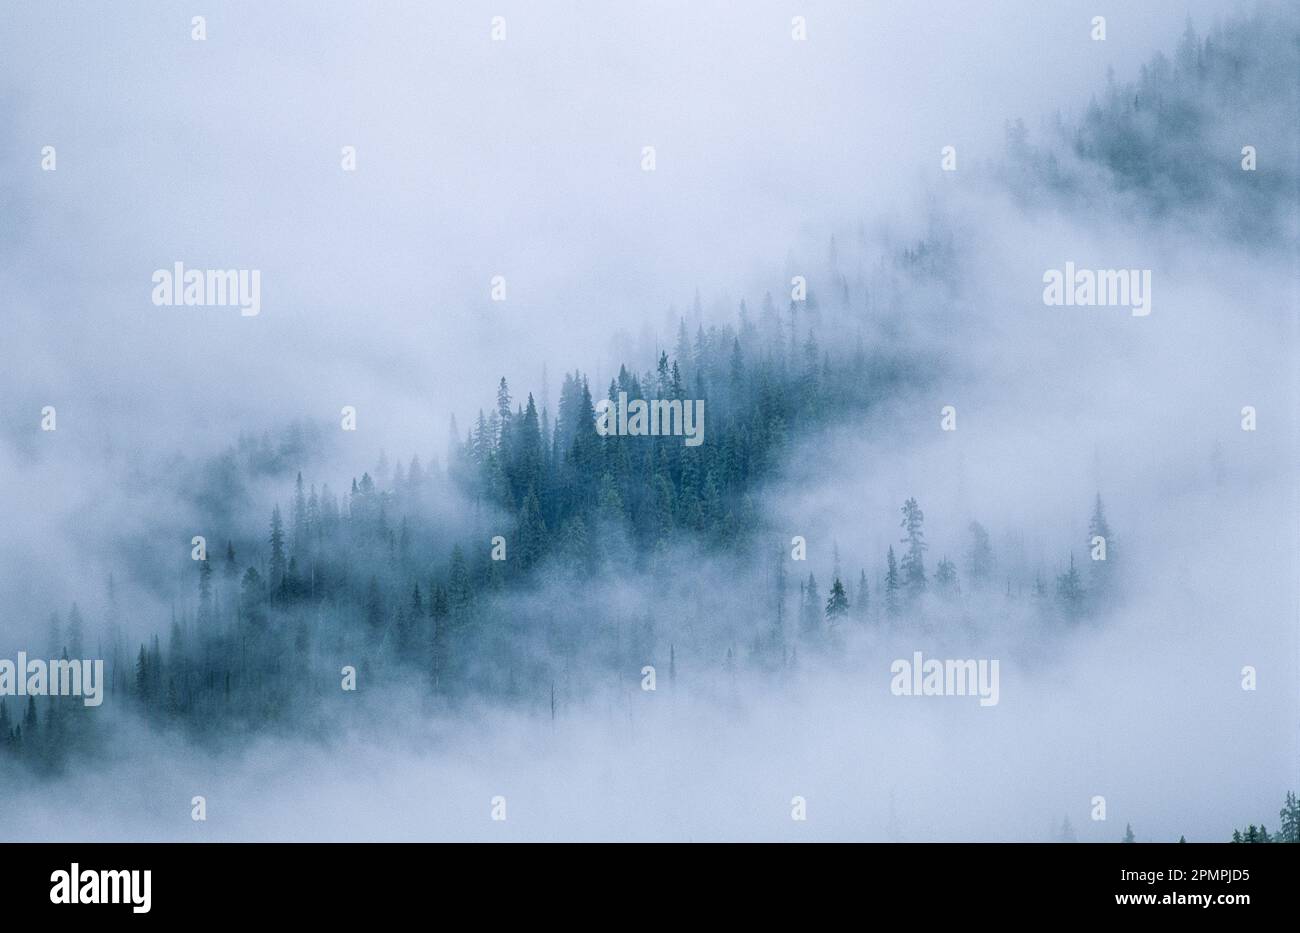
x=1290 y=816
x=231 y=569
x=811 y=608
x=278 y=561
x=374 y=606
x=945 y=579
x=837 y=606
x=299 y=516
x=980 y=564
x=862 y=606
x=1069 y=593
x=913 y=566
x=893 y=586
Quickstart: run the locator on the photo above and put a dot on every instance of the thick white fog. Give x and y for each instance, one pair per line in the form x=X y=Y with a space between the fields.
x=522 y=158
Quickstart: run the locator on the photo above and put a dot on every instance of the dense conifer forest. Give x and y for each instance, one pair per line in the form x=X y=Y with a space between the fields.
x=483 y=568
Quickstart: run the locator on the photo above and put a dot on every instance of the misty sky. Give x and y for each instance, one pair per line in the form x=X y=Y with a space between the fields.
x=475 y=158
x=521 y=158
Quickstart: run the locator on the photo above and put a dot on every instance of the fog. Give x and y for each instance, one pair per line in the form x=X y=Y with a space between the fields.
x=522 y=158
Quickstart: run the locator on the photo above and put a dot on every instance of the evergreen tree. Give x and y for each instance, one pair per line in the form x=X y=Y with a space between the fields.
x=1102 y=575
x=374 y=606
x=913 y=565
x=1128 y=833
x=30 y=730
x=980 y=564
x=532 y=532
x=250 y=597
x=278 y=562
x=945 y=579
x=299 y=516
x=143 y=680
x=438 y=616
x=205 y=586
x=811 y=609
x=837 y=607
x=460 y=593
x=1069 y=593
x=893 y=586
x=862 y=605
x=1290 y=816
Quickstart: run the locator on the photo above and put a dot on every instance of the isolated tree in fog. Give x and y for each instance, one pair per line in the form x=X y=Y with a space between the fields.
x=837 y=607
x=913 y=567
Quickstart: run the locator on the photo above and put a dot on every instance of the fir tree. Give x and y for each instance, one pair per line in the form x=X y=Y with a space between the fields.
x=945 y=579
x=913 y=565
x=1290 y=816
x=1069 y=593
x=837 y=606
x=278 y=562
x=811 y=608
x=862 y=605
x=980 y=564
x=893 y=586
x=374 y=606
x=299 y=516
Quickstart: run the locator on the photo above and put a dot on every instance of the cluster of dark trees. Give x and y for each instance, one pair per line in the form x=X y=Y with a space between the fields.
x=905 y=590
x=569 y=490
x=1289 y=817
x=380 y=580
x=1171 y=141
x=377 y=578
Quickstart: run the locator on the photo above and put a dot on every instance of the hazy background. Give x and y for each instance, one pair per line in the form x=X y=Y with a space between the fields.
x=521 y=158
